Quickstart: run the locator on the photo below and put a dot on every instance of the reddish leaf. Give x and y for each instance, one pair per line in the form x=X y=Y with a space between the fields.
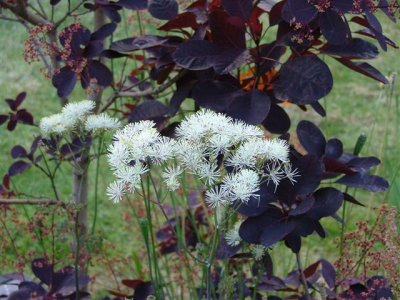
x=238 y=8
x=183 y=20
x=364 y=68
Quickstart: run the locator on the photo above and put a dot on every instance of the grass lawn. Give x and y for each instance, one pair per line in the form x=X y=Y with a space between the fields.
x=356 y=105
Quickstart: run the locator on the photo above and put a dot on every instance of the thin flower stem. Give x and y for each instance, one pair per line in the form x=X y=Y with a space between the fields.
x=302 y=277
x=211 y=259
x=96 y=184
x=77 y=257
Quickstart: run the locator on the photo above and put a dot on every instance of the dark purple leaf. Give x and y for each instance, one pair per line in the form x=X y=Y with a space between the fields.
x=343 y=6
x=304 y=206
x=54 y=2
x=25 y=117
x=143 y=291
x=112 y=54
x=43 y=270
x=64 y=282
x=214 y=94
x=351 y=199
x=104 y=32
x=327 y=202
x=97 y=71
x=64 y=81
x=257 y=205
x=310 y=169
x=277 y=120
x=202 y=55
x=329 y=273
x=238 y=8
x=319 y=109
x=311 y=138
x=133 y=4
x=276 y=232
x=252 y=228
x=293 y=242
x=18 y=101
x=139 y=43
x=26 y=290
x=35 y=144
x=12 y=123
x=18 y=151
x=301 y=11
x=303 y=80
x=3 y=119
x=149 y=110
x=334 y=28
x=373 y=22
x=252 y=107
x=365 y=181
x=163 y=9
x=18 y=167
x=74 y=38
x=334 y=148
x=355 y=48
x=365 y=69
x=93 y=49
x=363 y=164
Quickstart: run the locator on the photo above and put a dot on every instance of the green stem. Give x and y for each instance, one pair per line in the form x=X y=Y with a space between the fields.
x=302 y=277
x=96 y=184
x=211 y=258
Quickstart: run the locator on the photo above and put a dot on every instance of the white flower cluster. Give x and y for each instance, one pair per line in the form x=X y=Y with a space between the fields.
x=205 y=143
x=75 y=116
x=133 y=148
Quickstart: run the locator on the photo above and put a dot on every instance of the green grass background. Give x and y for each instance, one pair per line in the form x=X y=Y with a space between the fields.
x=356 y=105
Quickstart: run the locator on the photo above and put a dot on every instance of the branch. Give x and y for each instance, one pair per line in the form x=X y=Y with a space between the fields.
x=31 y=201
x=139 y=94
x=20 y=11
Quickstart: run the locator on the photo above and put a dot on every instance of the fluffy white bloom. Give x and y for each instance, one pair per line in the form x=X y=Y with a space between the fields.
x=170 y=176
x=130 y=175
x=216 y=197
x=209 y=173
x=116 y=191
x=190 y=154
x=244 y=131
x=242 y=185
x=52 y=124
x=232 y=237
x=277 y=149
x=220 y=143
x=204 y=122
x=101 y=122
x=118 y=155
x=162 y=150
x=76 y=111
